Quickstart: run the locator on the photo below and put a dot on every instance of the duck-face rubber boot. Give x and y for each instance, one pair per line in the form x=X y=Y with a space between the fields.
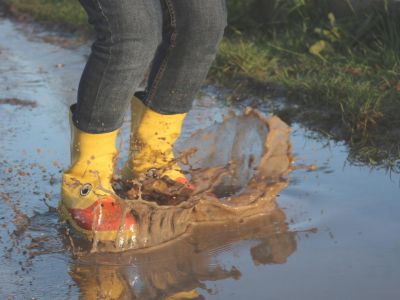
x=88 y=201
x=152 y=139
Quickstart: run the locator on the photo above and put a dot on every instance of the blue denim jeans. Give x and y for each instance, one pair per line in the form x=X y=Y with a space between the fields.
x=170 y=44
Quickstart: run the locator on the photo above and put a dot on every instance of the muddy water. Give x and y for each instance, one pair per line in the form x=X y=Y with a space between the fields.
x=334 y=235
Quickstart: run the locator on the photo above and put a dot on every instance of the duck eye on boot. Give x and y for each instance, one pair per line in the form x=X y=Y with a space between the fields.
x=85 y=189
x=88 y=201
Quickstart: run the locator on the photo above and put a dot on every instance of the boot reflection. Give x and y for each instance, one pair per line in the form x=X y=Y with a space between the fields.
x=178 y=270
x=101 y=282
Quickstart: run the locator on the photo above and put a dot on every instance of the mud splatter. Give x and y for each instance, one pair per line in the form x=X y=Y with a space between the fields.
x=239 y=168
x=21 y=220
x=18 y=102
x=184 y=265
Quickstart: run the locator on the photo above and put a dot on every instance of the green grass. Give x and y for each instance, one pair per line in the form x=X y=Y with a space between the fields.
x=339 y=95
x=66 y=12
x=344 y=74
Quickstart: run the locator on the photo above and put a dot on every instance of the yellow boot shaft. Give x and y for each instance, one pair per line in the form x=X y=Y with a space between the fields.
x=153 y=136
x=92 y=166
x=91 y=153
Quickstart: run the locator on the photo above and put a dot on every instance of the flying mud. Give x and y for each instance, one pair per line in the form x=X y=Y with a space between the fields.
x=236 y=167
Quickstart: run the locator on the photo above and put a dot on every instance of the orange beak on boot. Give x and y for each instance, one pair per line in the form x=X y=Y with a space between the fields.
x=88 y=201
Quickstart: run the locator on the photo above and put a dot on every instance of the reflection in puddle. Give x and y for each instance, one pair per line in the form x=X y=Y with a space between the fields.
x=179 y=269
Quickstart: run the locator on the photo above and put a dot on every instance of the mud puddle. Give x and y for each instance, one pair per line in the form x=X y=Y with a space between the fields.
x=334 y=234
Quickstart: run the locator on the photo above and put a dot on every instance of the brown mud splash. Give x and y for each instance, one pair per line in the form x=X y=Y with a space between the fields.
x=18 y=102
x=237 y=168
x=182 y=267
x=21 y=220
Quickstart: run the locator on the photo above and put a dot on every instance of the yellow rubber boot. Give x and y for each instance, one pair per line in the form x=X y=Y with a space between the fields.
x=152 y=138
x=88 y=201
x=100 y=282
x=193 y=294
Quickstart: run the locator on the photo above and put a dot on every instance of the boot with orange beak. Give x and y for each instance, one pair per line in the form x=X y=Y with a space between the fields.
x=88 y=201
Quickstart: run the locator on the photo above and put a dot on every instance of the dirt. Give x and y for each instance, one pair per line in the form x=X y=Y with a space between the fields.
x=333 y=233
x=18 y=102
x=185 y=264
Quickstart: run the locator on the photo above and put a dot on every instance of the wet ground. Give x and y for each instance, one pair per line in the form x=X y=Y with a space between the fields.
x=335 y=234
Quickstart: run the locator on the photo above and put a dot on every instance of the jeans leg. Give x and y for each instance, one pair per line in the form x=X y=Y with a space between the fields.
x=192 y=30
x=127 y=35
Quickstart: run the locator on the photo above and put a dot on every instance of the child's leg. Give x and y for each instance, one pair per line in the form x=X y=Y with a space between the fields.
x=127 y=35
x=192 y=30
x=128 y=32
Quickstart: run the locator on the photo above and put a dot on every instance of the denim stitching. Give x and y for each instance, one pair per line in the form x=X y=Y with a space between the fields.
x=163 y=64
x=99 y=6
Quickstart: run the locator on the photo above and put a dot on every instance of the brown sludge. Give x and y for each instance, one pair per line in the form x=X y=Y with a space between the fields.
x=238 y=168
x=186 y=264
x=18 y=102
